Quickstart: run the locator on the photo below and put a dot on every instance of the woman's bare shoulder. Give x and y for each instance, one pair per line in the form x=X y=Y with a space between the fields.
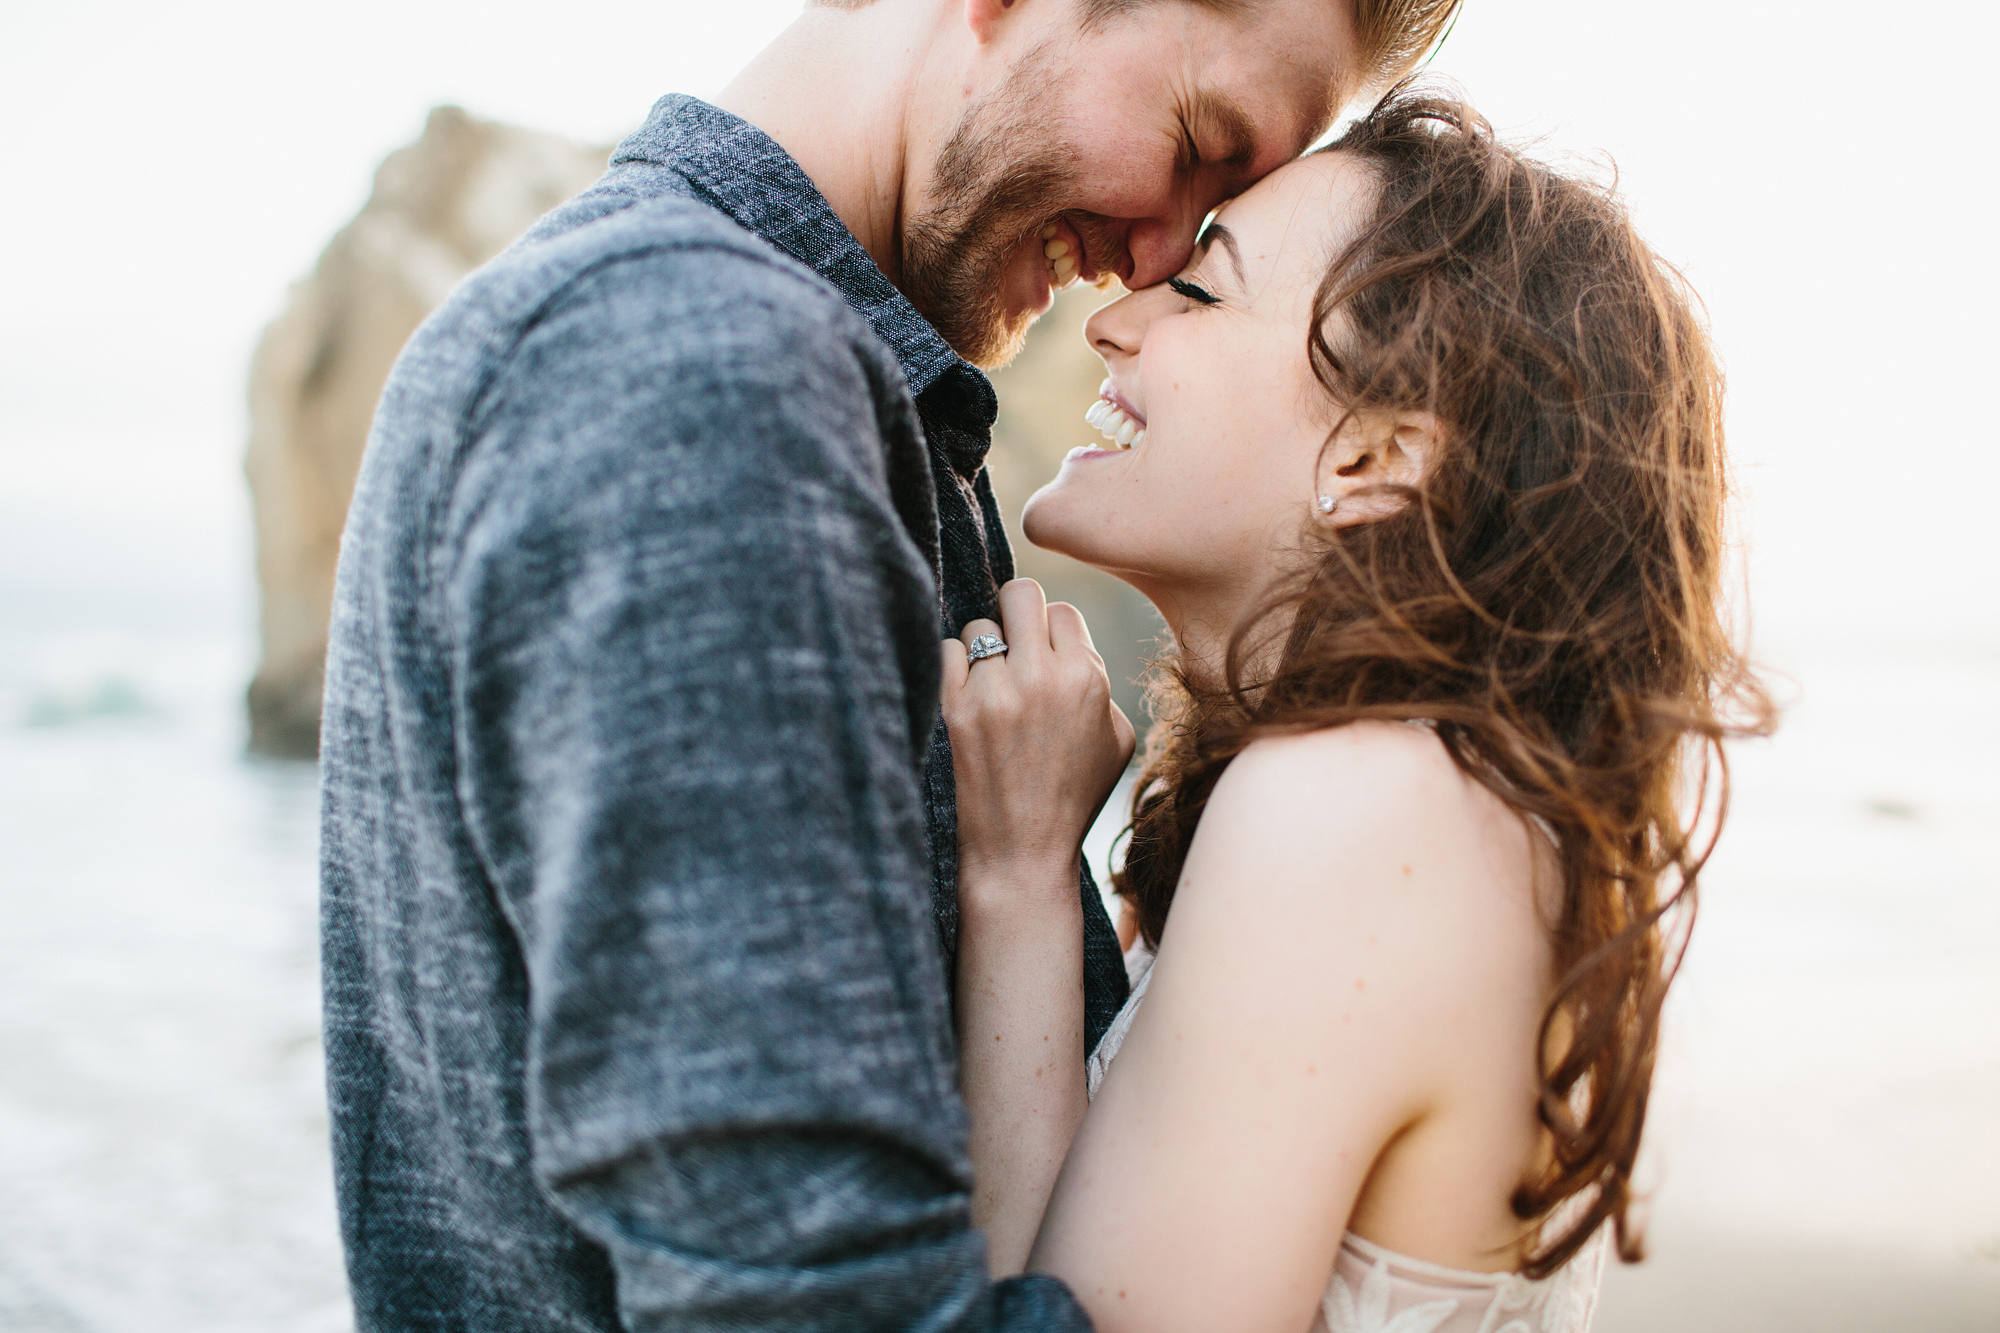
x=1334 y=760
x=1320 y=821
x=1367 y=779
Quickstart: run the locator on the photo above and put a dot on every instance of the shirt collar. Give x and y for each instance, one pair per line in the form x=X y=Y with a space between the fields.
x=741 y=171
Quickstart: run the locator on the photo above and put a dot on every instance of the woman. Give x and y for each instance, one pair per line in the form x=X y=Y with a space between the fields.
x=1421 y=461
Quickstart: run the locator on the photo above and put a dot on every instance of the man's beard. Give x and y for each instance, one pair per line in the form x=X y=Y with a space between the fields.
x=996 y=184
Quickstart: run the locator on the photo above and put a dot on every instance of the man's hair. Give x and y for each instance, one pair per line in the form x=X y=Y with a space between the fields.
x=1395 y=34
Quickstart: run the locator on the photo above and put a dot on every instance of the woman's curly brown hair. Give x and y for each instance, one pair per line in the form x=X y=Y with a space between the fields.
x=1548 y=598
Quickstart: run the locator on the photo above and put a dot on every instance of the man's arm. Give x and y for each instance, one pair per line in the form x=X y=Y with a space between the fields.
x=694 y=667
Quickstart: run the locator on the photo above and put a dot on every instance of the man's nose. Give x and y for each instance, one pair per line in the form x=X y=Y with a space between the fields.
x=1159 y=247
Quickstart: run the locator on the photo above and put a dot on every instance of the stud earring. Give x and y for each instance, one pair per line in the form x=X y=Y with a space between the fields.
x=1326 y=504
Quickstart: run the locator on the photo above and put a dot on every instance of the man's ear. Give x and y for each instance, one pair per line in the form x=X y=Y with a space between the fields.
x=1372 y=451
x=983 y=17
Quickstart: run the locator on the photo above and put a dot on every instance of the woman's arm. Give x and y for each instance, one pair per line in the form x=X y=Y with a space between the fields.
x=1020 y=1032
x=1037 y=745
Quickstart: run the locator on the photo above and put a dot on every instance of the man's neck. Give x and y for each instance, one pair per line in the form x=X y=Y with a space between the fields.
x=836 y=91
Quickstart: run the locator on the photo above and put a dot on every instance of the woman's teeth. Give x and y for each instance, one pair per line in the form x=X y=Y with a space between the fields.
x=1062 y=264
x=1112 y=422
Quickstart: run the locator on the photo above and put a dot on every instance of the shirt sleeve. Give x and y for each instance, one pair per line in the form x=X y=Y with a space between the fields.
x=694 y=669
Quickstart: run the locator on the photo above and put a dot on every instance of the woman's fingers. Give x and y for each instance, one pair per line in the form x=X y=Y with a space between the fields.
x=956 y=668
x=1071 y=636
x=1025 y=613
x=963 y=686
x=1122 y=731
x=974 y=628
x=1067 y=628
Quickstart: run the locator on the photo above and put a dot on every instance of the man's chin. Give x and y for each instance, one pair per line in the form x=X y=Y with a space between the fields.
x=1008 y=321
x=1026 y=297
x=1004 y=341
x=988 y=339
x=986 y=319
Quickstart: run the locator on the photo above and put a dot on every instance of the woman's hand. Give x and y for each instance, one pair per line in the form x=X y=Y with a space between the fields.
x=1036 y=742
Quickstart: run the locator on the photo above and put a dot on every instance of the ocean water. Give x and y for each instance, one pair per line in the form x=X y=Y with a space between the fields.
x=162 y=1122
x=1823 y=1153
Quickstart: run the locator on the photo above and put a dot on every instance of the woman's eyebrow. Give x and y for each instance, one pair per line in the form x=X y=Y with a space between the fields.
x=1215 y=231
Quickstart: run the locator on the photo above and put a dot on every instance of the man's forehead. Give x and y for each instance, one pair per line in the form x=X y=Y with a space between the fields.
x=1220 y=119
x=1240 y=128
x=1288 y=75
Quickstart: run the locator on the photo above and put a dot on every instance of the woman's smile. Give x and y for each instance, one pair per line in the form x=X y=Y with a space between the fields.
x=1116 y=419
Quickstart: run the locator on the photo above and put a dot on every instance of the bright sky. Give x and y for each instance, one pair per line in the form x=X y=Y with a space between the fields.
x=1821 y=172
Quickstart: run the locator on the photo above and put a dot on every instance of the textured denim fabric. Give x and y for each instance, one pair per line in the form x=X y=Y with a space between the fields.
x=636 y=936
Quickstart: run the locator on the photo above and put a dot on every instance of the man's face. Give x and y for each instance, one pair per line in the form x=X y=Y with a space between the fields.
x=1095 y=155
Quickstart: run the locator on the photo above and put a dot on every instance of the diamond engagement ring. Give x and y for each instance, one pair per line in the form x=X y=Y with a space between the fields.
x=986 y=645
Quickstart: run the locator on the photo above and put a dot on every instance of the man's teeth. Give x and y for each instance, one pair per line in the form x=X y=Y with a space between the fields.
x=1062 y=264
x=1114 y=425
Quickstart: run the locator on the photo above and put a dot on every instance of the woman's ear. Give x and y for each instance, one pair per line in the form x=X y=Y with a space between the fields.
x=1373 y=452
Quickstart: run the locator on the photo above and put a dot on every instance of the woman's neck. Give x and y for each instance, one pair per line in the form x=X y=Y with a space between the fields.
x=1204 y=627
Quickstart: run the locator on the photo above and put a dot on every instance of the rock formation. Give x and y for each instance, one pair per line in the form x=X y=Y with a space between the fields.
x=440 y=208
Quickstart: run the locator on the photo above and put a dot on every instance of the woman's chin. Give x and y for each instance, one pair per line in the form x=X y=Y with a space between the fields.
x=1047 y=524
x=1051 y=522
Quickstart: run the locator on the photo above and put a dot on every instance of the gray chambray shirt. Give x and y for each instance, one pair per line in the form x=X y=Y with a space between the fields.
x=638 y=890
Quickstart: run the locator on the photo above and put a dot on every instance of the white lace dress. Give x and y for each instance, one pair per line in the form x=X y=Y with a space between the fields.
x=1373 y=1290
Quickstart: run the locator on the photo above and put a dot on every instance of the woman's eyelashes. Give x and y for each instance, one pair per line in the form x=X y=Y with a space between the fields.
x=1199 y=295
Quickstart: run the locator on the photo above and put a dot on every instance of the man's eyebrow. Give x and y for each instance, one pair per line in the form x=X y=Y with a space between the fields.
x=1214 y=232
x=1219 y=116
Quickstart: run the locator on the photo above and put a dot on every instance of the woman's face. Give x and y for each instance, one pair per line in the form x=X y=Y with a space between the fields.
x=1227 y=423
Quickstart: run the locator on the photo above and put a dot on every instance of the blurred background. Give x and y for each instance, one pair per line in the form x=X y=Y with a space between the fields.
x=1824 y=1150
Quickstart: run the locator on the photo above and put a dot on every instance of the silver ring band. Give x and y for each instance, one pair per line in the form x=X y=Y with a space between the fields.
x=986 y=645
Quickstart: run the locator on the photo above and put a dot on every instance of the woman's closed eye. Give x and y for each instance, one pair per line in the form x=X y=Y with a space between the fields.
x=1199 y=295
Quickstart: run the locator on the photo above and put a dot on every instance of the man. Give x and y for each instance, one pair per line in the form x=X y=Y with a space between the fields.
x=638 y=888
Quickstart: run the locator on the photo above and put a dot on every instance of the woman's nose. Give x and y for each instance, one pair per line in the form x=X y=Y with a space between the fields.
x=1115 y=331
